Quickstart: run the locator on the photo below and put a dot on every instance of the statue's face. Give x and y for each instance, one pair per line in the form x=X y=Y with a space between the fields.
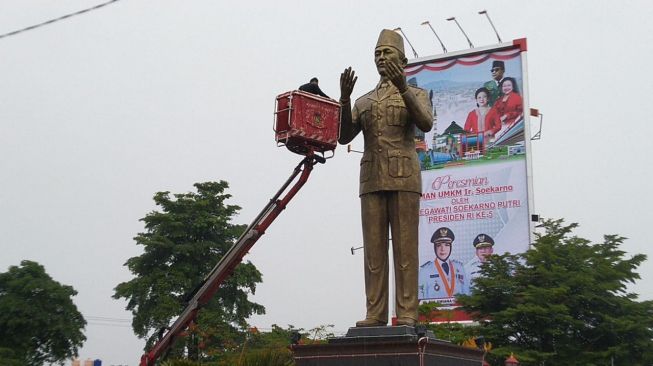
x=384 y=54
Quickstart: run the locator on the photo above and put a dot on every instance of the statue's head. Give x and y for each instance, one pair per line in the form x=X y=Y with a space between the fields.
x=389 y=47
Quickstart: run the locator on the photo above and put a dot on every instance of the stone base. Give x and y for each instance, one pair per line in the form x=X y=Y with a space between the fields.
x=385 y=346
x=382 y=334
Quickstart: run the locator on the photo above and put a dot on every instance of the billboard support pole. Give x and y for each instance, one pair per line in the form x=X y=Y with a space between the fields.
x=492 y=24
x=406 y=38
x=444 y=49
x=461 y=29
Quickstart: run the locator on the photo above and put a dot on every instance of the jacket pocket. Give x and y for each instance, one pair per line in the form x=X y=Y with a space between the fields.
x=366 y=168
x=397 y=112
x=399 y=164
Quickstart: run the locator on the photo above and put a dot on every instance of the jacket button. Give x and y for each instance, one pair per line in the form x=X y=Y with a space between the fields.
x=379 y=150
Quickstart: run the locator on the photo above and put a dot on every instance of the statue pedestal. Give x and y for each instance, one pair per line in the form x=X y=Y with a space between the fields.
x=386 y=346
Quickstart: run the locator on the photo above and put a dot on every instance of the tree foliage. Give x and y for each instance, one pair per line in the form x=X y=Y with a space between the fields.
x=564 y=302
x=181 y=244
x=9 y=358
x=39 y=323
x=449 y=330
x=271 y=348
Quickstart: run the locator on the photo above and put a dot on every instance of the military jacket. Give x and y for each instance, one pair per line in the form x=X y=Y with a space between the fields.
x=493 y=87
x=389 y=162
x=432 y=286
x=473 y=268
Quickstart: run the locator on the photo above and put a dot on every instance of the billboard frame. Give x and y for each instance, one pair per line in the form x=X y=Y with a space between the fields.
x=520 y=45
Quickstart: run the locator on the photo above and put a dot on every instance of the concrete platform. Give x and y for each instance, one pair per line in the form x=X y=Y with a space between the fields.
x=386 y=346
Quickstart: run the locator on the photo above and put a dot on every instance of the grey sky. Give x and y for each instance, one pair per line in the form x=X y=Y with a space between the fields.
x=99 y=112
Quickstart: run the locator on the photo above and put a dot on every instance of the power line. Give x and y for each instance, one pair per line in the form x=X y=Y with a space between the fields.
x=126 y=323
x=47 y=22
x=107 y=319
x=109 y=325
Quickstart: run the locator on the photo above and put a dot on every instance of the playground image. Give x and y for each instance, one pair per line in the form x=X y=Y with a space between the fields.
x=462 y=149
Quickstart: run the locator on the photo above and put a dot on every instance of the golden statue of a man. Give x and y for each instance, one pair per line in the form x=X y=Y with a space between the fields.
x=390 y=180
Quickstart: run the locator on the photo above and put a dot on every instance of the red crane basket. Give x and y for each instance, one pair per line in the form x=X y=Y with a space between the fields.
x=305 y=122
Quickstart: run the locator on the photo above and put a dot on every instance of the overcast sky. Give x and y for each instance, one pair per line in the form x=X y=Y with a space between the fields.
x=100 y=111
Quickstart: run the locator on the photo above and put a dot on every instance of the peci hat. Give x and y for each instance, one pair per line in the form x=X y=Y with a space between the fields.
x=392 y=39
x=498 y=64
x=443 y=233
x=483 y=240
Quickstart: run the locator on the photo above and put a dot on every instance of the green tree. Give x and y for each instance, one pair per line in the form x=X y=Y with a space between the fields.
x=9 y=358
x=181 y=244
x=271 y=348
x=261 y=348
x=447 y=330
x=39 y=323
x=564 y=302
x=427 y=163
x=277 y=337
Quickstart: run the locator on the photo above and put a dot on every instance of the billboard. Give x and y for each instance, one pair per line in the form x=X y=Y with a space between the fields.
x=476 y=189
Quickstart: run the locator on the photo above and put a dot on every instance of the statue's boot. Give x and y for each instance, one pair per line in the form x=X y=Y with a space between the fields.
x=370 y=323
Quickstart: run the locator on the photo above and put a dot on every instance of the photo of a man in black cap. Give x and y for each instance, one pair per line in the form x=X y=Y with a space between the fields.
x=484 y=245
x=443 y=277
x=497 y=71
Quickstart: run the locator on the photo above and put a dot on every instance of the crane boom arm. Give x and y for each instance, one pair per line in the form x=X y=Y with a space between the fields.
x=233 y=257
